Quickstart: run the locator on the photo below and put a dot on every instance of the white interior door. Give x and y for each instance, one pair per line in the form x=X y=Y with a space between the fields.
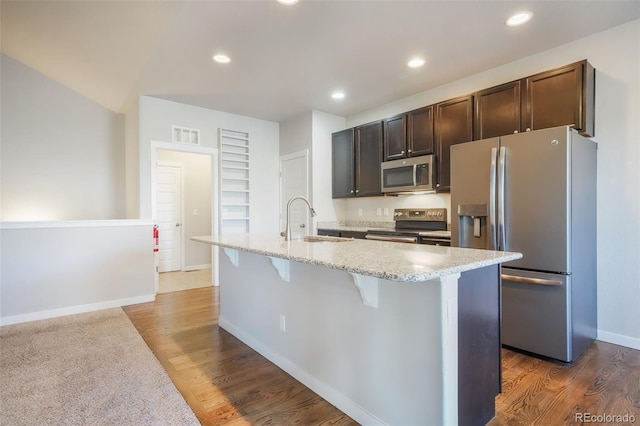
x=169 y=216
x=294 y=180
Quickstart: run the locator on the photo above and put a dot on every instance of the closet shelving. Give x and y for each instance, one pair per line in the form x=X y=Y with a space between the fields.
x=234 y=182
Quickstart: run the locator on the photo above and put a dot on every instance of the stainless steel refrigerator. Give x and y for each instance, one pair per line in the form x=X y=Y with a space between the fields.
x=534 y=193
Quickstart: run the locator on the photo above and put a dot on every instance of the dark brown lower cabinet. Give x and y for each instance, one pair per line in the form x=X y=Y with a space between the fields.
x=479 y=352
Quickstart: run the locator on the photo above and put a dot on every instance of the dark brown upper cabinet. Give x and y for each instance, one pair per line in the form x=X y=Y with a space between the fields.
x=343 y=163
x=497 y=110
x=409 y=134
x=420 y=131
x=368 y=144
x=395 y=137
x=453 y=125
x=564 y=96
x=356 y=157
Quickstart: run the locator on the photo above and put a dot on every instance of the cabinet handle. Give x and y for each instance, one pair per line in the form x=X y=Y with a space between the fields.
x=357 y=190
x=351 y=192
x=515 y=131
x=409 y=151
x=528 y=129
x=401 y=152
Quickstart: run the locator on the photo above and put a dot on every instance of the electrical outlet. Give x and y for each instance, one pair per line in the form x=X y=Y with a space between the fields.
x=379 y=211
x=195 y=212
x=359 y=212
x=283 y=323
x=386 y=211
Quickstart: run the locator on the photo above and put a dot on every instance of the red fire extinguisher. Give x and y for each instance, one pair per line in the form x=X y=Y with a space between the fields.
x=156 y=238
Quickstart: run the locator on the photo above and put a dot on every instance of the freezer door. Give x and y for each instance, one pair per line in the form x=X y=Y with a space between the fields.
x=536 y=199
x=473 y=194
x=536 y=312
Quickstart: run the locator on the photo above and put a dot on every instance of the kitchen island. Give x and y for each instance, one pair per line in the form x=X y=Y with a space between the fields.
x=389 y=333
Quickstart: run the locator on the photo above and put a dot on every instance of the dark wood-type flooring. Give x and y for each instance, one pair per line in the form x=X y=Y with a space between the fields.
x=227 y=383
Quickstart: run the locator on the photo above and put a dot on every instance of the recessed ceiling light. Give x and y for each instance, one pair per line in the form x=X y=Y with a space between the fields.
x=519 y=18
x=337 y=95
x=287 y=2
x=415 y=63
x=221 y=59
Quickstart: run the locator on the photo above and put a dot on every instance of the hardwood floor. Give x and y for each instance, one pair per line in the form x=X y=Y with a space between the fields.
x=227 y=383
x=223 y=380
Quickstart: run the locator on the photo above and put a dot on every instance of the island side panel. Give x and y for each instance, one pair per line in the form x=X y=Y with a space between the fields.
x=379 y=365
x=479 y=356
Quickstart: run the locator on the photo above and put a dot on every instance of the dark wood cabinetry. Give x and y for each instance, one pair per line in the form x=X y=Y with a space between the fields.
x=343 y=164
x=564 y=96
x=368 y=143
x=420 y=131
x=559 y=97
x=498 y=111
x=409 y=135
x=356 y=157
x=453 y=125
x=395 y=137
x=344 y=234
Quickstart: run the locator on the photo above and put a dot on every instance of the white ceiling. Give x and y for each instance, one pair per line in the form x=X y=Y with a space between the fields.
x=285 y=59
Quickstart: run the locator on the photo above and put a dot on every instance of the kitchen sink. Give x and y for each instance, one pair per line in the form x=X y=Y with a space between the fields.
x=325 y=239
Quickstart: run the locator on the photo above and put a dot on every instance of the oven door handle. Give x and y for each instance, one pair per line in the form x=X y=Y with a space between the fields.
x=391 y=238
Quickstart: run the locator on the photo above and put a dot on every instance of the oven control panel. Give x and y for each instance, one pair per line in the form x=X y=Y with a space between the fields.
x=428 y=215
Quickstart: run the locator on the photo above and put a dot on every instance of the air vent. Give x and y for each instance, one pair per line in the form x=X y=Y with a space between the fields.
x=185 y=135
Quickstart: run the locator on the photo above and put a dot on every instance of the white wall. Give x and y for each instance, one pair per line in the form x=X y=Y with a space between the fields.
x=198 y=194
x=62 y=154
x=132 y=160
x=49 y=269
x=323 y=126
x=312 y=131
x=158 y=115
x=615 y=54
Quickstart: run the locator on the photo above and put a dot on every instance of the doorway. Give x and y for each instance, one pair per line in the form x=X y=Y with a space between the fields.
x=184 y=205
x=294 y=181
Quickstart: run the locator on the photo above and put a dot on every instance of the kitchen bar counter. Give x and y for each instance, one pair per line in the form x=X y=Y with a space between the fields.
x=391 y=261
x=384 y=331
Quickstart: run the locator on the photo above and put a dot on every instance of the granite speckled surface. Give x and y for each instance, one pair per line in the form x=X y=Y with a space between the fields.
x=391 y=261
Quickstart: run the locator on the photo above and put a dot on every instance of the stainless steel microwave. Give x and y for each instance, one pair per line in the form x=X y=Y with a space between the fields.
x=409 y=175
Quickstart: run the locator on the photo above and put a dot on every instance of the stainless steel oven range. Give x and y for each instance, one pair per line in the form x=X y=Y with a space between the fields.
x=416 y=226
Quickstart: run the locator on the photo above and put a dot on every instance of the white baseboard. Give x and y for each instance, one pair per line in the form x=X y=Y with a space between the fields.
x=197 y=267
x=619 y=339
x=79 y=309
x=334 y=397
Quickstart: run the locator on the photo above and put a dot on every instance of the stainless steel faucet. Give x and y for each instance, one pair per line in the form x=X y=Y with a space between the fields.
x=287 y=231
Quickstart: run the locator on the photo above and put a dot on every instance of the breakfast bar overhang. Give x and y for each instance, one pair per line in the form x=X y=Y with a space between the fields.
x=389 y=333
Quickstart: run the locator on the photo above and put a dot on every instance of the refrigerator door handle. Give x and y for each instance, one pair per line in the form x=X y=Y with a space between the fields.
x=492 y=199
x=536 y=281
x=502 y=238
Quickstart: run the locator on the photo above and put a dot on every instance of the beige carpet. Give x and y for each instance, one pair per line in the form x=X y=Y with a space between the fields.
x=85 y=369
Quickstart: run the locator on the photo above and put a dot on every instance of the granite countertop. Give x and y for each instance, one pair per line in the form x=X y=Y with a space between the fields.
x=381 y=259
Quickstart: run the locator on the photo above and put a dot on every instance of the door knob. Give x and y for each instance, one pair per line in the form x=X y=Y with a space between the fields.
x=302 y=225
x=177 y=224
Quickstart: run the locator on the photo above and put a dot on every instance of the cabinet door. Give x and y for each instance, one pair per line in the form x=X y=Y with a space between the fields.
x=368 y=159
x=395 y=140
x=420 y=132
x=453 y=125
x=560 y=97
x=342 y=162
x=498 y=110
